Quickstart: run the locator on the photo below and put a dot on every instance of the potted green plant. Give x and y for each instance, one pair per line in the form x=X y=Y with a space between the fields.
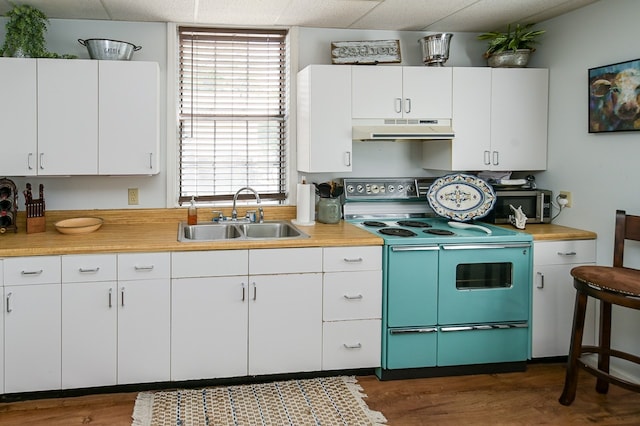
x=25 y=34
x=511 y=48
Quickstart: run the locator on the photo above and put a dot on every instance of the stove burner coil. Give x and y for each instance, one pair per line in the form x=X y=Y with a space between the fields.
x=438 y=232
x=397 y=232
x=374 y=223
x=413 y=224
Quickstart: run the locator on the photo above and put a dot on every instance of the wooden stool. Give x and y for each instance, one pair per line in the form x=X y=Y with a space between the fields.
x=614 y=285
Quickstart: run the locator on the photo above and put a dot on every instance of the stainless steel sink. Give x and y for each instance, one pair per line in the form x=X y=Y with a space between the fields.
x=266 y=230
x=207 y=232
x=235 y=231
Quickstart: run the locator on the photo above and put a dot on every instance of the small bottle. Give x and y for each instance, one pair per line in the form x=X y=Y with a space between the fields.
x=192 y=213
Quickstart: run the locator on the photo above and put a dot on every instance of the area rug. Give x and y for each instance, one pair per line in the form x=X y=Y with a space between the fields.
x=320 y=401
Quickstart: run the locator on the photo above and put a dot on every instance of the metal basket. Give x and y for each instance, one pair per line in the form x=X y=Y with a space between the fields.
x=101 y=48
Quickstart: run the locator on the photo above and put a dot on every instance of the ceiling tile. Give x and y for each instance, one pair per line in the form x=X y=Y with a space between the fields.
x=409 y=14
x=151 y=10
x=240 y=12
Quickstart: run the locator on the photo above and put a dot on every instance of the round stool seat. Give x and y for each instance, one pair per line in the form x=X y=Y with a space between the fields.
x=612 y=279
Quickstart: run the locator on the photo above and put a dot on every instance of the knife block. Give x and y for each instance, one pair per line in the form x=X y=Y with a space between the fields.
x=35 y=212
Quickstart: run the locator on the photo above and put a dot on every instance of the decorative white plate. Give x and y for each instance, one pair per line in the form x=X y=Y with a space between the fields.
x=461 y=197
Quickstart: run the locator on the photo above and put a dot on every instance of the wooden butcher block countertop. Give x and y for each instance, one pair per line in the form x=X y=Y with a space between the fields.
x=156 y=230
x=549 y=232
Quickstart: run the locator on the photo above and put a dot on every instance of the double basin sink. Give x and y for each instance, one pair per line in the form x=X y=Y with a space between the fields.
x=234 y=231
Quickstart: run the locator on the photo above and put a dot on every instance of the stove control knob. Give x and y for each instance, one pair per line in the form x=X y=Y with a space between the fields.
x=400 y=188
x=391 y=188
x=375 y=189
x=350 y=189
x=383 y=189
x=360 y=188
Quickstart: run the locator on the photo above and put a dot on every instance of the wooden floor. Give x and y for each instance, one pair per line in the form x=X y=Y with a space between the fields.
x=529 y=398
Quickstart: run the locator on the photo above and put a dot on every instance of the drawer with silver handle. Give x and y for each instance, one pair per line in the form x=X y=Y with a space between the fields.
x=564 y=252
x=352 y=258
x=143 y=266
x=89 y=268
x=352 y=295
x=32 y=270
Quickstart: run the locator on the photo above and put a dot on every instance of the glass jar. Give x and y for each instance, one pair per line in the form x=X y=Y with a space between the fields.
x=329 y=210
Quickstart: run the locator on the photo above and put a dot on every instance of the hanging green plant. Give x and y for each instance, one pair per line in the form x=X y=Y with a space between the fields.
x=25 y=34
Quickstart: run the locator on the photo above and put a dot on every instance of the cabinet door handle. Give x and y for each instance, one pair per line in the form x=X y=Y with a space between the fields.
x=398 y=105
x=122 y=296
x=9 y=302
x=487 y=158
x=407 y=105
x=255 y=292
x=496 y=158
x=243 y=292
x=110 y=296
x=143 y=268
x=151 y=160
x=347 y=158
x=357 y=297
x=31 y=272
x=353 y=260
x=354 y=346
x=567 y=253
x=541 y=275
x=42 y=161
x=29 y=157
x=89 y=270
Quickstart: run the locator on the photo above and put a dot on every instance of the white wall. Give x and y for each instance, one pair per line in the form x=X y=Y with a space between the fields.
x=390 y=159
x=67 y=193
x=601 y=170
x=101 y=192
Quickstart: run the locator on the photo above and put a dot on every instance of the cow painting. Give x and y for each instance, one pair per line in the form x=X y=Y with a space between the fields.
x=614 y=97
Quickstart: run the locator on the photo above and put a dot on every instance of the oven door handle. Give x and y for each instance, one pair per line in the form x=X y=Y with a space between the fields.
x=414 y=248
x=500 y=326
x=484 y=246
x=413 y=330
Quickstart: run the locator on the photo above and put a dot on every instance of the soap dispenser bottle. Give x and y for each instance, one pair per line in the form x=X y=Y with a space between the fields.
x=192 y=213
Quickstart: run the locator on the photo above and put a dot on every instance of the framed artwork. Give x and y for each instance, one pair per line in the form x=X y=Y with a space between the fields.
x=614 y=95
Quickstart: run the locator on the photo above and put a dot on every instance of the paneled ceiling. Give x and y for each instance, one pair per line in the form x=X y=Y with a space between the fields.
x=418 y=15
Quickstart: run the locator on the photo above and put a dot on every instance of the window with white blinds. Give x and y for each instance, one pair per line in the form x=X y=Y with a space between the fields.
x=232 y=113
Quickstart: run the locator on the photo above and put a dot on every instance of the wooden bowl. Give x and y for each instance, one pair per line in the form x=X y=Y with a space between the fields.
x=79 y=225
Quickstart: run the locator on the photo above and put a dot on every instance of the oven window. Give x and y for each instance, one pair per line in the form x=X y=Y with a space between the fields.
x=484 y=275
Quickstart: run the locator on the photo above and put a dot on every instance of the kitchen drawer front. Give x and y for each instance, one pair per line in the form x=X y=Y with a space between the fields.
x=411 y=347
x=351 y=344
x=89 y=268
x=352 y=295
x=144 y=266
x=285 y=261
x=352 y=258
x=482 y=346
x=564 y=252
x=32 y=270
x=215 y=263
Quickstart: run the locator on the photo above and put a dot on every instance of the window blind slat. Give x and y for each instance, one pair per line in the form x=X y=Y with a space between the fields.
x=232 y=113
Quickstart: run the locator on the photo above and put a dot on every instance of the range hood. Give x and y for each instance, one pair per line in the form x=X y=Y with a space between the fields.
x=399 y=130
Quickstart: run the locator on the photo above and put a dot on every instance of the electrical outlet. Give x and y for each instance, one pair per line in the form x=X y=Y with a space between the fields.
x=133 y=196
x=567 y=196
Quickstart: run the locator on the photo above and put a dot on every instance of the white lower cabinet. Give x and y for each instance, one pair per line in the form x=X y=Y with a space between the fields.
x=554 y=295
x=115 y=319
x=209 y=314
x=285 y=323
x=32 y=324
x=352 y=307
x=260 y=312
x=144 y=317
x=89 y=321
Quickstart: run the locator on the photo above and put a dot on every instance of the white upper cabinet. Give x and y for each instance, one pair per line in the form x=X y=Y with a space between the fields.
x=499 y=119
x=519 y=108
x=67 y=117
x=401 y=92
x=324 y=119
x=62 y=117
x=129 y=118
x=18 y=117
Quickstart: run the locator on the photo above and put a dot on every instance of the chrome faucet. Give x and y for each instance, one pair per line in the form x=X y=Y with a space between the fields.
x=234 y=212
